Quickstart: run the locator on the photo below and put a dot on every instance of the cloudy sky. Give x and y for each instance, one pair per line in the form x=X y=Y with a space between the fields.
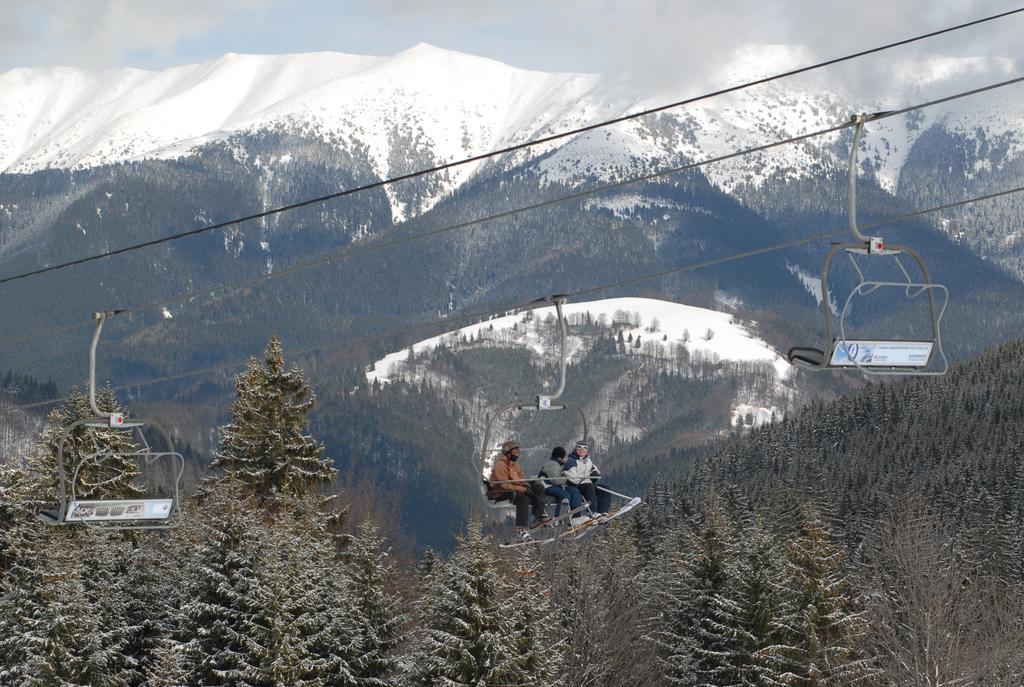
x=665 y=42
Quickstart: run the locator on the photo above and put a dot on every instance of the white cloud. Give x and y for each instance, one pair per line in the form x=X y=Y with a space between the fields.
x=102 y=33
x=682 y=45
x=676 y=47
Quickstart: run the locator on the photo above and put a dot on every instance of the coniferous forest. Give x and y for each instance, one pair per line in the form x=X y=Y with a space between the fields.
x=872 y=540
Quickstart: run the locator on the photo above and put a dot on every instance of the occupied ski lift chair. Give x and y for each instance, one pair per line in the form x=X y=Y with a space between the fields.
x=874 y=356
x=134 y=513
x=541 y=403
x=560 y=526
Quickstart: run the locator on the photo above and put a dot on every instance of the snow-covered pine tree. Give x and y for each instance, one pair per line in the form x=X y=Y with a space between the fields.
x=333 y=638
x=165 y=670
x=757 y=600
x=376 y=608
x=104 y=559
x=285 y=622
x=61 y=634
x=671 y=584
x=716 y=648
x=266 y=445
x=580 y=617
x=305 y=630
x=15 y=491
x=534 y=628
x=223 y=591
x=51 y=612
x=467 y=619
x=24 y=600
x=149 y=582
x=821 y=628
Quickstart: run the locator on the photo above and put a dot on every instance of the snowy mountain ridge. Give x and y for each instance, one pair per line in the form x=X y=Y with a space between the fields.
x=448 y=106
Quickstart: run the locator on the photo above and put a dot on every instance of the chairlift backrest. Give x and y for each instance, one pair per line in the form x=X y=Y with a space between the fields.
x=163 y=512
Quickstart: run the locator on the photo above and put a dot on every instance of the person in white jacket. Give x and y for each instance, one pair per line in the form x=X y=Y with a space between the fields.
x=581 y=473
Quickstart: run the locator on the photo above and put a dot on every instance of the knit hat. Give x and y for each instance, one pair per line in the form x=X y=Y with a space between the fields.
x=582 y=444
x=557 y=453
x=509 y=445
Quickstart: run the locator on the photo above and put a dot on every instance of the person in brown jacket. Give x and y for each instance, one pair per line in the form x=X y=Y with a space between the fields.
x=508 y=482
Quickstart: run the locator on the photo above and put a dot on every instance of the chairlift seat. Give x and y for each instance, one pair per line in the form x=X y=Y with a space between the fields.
x=809 y=358
x=151 y=512
x=876 y=356
x=494 y=500
x=120 y=510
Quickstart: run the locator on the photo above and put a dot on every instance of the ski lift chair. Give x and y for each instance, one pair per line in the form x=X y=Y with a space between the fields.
x=541 y=403
x=135 y=513
x=875 y=356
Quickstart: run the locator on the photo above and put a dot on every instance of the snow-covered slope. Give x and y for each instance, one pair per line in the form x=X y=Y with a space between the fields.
x=445 y=105
x=664 y=323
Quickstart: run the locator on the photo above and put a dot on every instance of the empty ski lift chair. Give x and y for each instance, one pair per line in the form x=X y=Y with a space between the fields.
x=875 y=356
x=134 y=513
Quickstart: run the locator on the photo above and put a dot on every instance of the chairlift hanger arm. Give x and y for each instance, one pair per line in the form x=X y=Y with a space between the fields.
x=559 y=300
x=873 y=243
x=100 y=318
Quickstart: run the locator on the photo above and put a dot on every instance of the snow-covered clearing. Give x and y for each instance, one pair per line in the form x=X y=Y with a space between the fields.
x=662 y=322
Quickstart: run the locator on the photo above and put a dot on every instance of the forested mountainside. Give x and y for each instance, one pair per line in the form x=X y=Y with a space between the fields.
x=767 y=560
x=18 y=428
x=955 y=442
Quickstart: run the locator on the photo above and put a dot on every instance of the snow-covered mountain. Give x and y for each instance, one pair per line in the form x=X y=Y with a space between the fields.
x=244 y=133
x=447 y=105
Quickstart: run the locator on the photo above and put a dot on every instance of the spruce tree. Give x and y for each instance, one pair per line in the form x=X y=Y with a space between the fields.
x=672 y=582
x=222 y=600
x=714 y=614
x=266 y=445
x=284 y=624
x=534 y=627
x=378 y=620
x=64 y=640
x=821 y=627
x=149 y=581
x=757 y=600
x=308 y=631
x=467 y=616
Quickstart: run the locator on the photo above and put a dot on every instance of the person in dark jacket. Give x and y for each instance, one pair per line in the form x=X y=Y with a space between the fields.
x=507 y=481
x=554 y=481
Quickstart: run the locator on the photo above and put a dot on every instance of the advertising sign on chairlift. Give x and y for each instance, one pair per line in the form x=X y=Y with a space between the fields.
x=882 y=353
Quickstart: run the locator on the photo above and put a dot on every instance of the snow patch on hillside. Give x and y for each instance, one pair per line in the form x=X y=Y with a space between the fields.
x=812 y=283
x=663 y=322
x=746 y=416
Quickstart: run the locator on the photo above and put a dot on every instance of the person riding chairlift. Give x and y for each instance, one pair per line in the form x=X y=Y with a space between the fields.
x=508 y=482
x=553 y=477
x=581 y=474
